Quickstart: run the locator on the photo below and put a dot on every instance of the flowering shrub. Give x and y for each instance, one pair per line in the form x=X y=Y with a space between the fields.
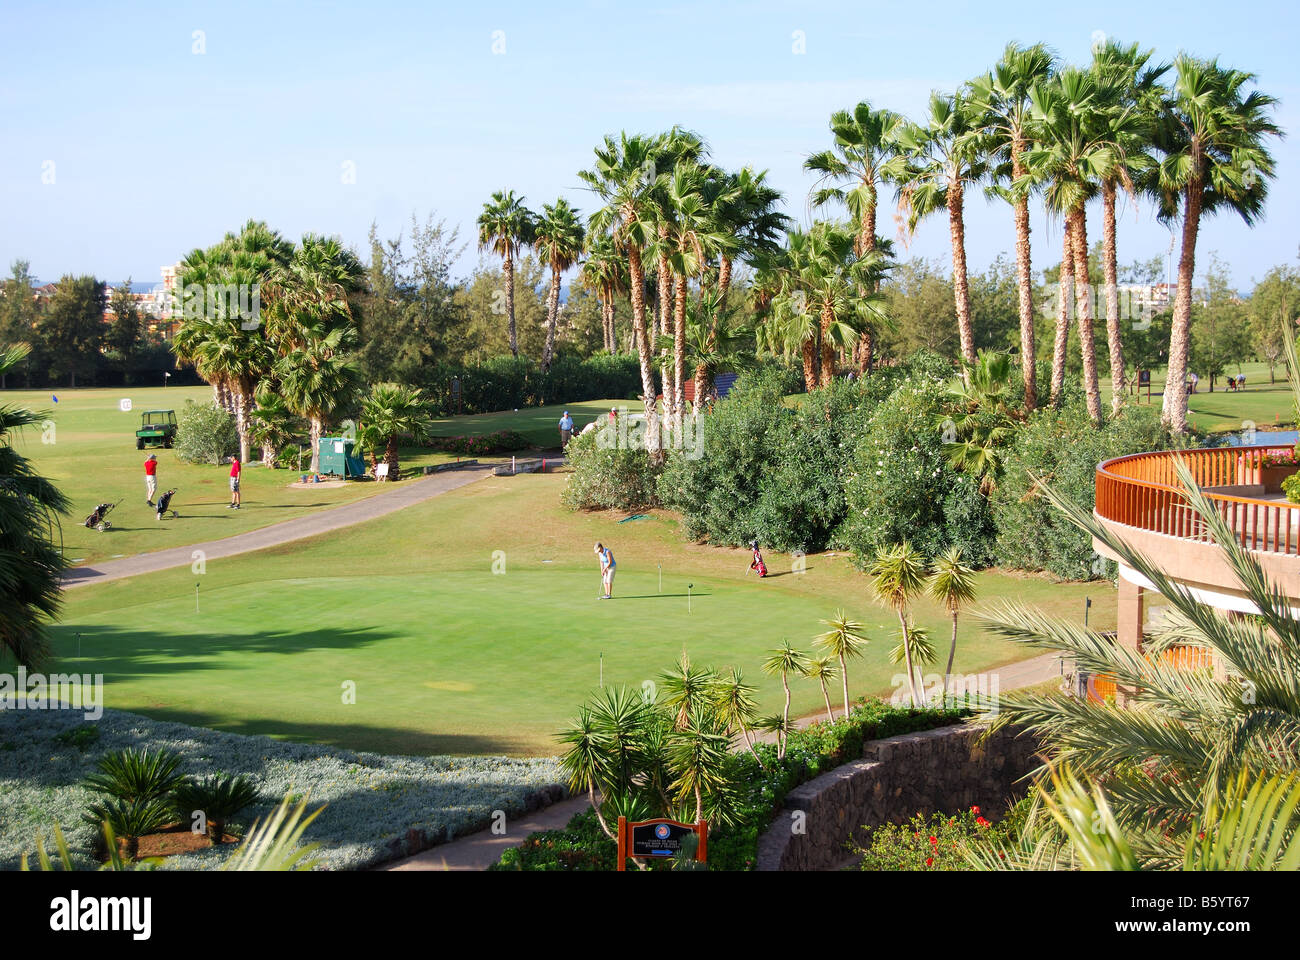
x=503 y=441
x=937 y=841
x=1288 y=459
x=606 y=478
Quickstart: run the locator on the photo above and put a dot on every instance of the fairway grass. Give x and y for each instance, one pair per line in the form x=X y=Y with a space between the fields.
x=444 y=655
x=89 y=452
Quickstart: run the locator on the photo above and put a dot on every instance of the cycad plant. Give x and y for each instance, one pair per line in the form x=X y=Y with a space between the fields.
x=130 y=819
x=217 y=798
x=133 y=775
x=733 y=700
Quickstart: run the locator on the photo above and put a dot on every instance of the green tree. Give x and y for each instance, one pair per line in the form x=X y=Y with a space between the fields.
x=1274 y=309
x=782 y=662
x=504 y=227
x=19 y=314
x=558 y=238
x=72 y=326
x=898 y=576
x=842 y=640
x=952 y=583
x=124 y=333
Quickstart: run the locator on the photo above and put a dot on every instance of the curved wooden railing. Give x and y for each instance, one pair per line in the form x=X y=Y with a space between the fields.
x=1143 y=490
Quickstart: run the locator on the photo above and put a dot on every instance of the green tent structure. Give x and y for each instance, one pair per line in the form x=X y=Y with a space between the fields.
x=336 y=458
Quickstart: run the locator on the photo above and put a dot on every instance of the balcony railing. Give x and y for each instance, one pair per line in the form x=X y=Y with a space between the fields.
x=1143 y=490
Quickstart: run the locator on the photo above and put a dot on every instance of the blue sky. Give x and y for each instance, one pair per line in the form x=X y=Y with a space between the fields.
x=154 y=148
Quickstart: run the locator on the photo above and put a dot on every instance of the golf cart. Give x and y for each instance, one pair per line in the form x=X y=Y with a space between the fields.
x=157 y=429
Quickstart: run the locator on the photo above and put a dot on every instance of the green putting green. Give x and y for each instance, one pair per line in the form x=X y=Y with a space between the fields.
x=445 y=655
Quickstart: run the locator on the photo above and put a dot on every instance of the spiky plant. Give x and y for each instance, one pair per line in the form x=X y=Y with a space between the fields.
x=133 y=775
x=822 y=669
x=130 y=819
x=217 y=798
x=782 y=662
x=843 y=639
x=915 y=650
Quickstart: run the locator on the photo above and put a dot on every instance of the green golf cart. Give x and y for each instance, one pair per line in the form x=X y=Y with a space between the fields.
x=157 y=429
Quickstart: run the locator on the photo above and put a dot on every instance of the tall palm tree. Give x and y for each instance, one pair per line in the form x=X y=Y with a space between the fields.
x=1079 y=141
x=1128 y=84
x=843 y=639
x=1002 y=98
x=945 y=156
x=389 y=411
x=504 y=226
x=898 y=576
x=866 y=153
x=733 y=700
x=782 y=662
x=1213 y=135
x=1064 y=312
x=916 y=651
x=605 y=272
x=952 y=583
x=625 y=178
x=30 y=564
x=698 y=755
x=316 y=379
x=822 y=669
x=557 y=237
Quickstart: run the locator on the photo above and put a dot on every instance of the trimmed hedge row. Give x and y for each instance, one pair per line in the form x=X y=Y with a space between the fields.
x=508 y=383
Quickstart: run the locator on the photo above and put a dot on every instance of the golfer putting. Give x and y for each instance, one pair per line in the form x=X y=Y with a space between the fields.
x=606 y=558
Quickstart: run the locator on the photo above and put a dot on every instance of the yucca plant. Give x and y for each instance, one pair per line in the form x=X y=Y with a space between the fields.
x=733 y=700
x=842 y=640
x=782 y=662
x=137 y=775
x=217 y=798
x=130 y=820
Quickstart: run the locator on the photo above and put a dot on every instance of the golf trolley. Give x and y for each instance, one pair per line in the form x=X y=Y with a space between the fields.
x=98 y=519
x=164 y=504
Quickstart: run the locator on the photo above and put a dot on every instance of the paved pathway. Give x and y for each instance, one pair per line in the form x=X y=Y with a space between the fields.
x=479 y=850
x=409 y=493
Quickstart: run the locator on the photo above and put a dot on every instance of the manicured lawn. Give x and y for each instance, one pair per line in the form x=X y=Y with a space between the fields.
x=447 y=656
x=540 y=425
x=1263 y=403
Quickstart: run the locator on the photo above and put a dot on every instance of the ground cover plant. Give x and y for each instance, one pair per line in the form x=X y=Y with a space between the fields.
x=370 y=801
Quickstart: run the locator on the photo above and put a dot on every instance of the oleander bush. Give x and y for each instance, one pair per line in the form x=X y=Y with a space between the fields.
x=375 y=806
x=503 y=441
x=204 y=433
x=607 y=477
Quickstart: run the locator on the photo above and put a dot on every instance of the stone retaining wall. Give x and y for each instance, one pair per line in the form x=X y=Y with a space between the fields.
x=943 y=770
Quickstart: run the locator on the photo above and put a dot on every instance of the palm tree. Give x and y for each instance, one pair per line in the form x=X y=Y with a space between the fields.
x=625 y=179
x=698 y=755
x=504 y=226
x=389 y=411
x=1002 y=98
x=898 y=576
x=914 y=649
x=867 y=152
x=783 y=661
x=733 y=701
x=31 y=566
x=687 y=690
x=1064 y=312
x=944 y=157
x=842 y=640
x=952 y=583
x=557 y=237
x=317 y=378
x=606 y=273
x=715 y=341
x=822 y=669
x=274 y=424
x=982 y=420
x=1213 y=135
x=1127 y=84
x=584 y=762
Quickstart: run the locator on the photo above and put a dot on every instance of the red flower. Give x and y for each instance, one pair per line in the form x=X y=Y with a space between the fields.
x=980 y=821
x=934 y=841
x=974 y=809
x=929 y=861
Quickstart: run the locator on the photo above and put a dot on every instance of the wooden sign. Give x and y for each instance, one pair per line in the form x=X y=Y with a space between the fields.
x=659 y=838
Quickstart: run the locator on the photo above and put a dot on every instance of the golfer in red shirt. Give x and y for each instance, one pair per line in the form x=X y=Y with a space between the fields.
x=150 y=478
x=234 y=483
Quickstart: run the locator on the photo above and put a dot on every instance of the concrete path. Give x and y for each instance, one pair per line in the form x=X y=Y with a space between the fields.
x=478 y=851
x=408 y=493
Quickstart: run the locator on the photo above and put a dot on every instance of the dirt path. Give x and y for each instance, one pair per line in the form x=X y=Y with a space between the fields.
x=410 y=492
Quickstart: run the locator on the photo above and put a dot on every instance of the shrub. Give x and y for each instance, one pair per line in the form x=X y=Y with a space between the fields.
x=507 y=383
x=503 y=441
x=80 y=737
x=1063 y=447
x=608 y=478
x=1291 y=487
x=130 y=819
x=205 y=433
x=900 y=485
x=938 y=841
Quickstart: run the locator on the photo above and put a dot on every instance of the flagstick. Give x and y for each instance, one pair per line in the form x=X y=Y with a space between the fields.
x=196 y=598
x=602 y=670
x=661 y=578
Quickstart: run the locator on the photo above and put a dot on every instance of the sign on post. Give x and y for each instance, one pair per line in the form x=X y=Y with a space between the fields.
x=1144 y=380
x=659 y=838
x=455 y=392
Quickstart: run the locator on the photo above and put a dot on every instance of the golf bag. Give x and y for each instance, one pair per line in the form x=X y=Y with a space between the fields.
x=757 y=563
x=97 y=521
x=164 y=504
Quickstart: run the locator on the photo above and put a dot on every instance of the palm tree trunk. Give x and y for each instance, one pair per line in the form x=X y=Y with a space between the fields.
x=1111 y=270
x=591 y=798
x=828 y=352
x=844 y=678
x=666 y=300
x=1174 y=412
x=643 y=353
x=390 y=458
x=749 y=742
x=865 y=350
x=809 y=366
x=317 y=427
x=1064 y=308
x=679 y=354
x=960 y=285
x=907 y=656
x=241 y=424
x=785 y=714
x=1025 y=284
x=268 y=455
x=1083 y=306
x=552 y=310
x=864 y=243
x=952 y=652
x=510 y=301
x=830 y=714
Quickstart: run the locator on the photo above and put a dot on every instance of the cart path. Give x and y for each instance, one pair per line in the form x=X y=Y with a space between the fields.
x=478 y=851
x=409 y=493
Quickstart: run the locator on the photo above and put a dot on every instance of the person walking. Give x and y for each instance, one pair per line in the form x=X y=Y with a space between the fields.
x=606 y=558
x=566 y=429
x=150 y=478
x=235 y=470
